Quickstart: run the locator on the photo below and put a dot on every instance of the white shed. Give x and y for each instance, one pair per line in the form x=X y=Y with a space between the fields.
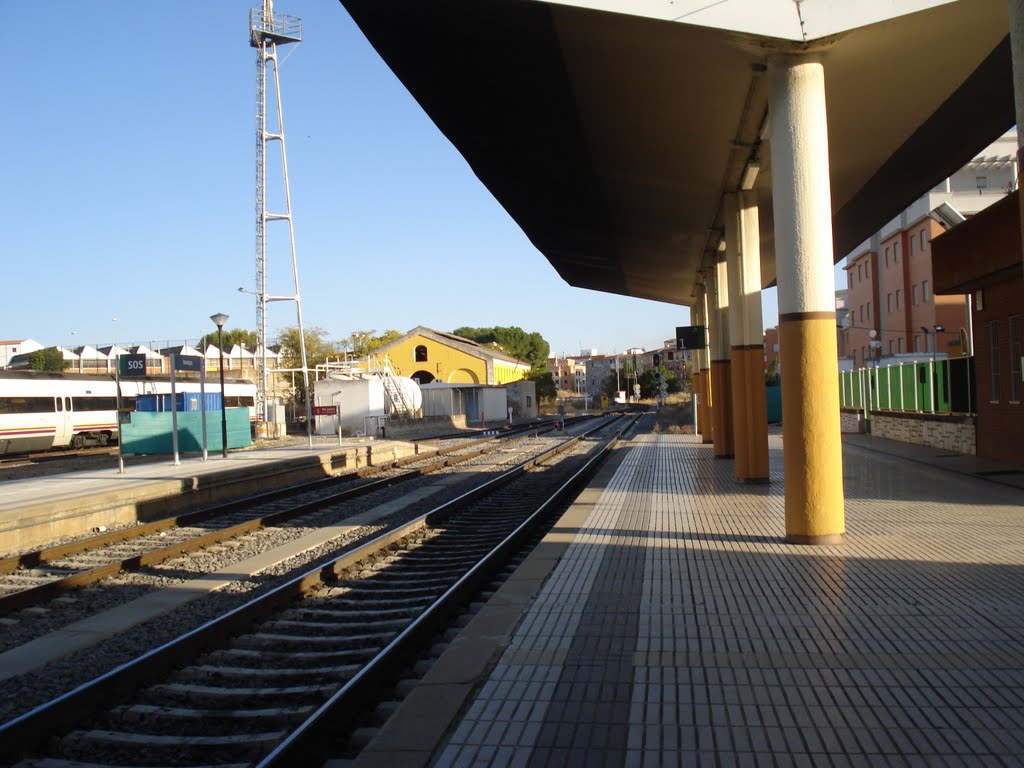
x=356 y=406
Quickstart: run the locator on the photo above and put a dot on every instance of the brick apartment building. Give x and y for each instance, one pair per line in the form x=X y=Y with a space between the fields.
x=891 y=286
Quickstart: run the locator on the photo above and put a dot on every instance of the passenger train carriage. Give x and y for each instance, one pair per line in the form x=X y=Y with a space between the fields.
x=40 y=410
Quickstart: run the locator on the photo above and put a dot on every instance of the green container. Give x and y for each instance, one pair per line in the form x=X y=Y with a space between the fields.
x=150 y=433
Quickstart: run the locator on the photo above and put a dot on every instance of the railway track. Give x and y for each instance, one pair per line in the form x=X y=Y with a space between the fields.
x=31 y=578
x=271 y=681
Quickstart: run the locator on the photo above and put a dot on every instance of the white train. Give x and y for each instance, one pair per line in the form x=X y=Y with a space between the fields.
x=40 y=410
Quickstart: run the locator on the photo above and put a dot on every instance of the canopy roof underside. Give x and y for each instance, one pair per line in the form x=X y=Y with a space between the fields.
x=612 y=138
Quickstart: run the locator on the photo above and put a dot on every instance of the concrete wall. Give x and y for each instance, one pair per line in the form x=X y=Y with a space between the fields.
x=949 y=432
x=851 y=420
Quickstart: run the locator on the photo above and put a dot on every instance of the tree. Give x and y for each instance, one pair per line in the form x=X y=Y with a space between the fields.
x=234 y=336
x=545 y=382
x=49 y=359
x=649 y=382
x=318 y=349
x=363 y=343
x=525 y=347
x=513 y=341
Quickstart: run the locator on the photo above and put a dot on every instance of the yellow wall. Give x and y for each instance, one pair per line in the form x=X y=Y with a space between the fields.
x=506 y=373
x=447 y=364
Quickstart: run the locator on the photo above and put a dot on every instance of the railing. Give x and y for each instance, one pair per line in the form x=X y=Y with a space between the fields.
x=928 y=386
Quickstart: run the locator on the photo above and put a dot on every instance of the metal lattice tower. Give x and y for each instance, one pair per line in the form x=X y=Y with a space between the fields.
x=266 y=31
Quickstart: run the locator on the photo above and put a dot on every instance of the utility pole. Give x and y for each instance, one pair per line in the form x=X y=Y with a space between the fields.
x=267 y=30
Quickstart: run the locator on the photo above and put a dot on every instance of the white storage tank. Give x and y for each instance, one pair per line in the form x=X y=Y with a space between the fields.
x=406 y=399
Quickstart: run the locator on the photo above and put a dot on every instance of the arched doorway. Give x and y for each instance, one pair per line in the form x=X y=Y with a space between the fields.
x=422 y=377
x=463 y=376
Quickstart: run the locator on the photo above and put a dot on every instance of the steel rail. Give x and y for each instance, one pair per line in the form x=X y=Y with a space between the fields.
x=25 y=598
x=305 y=744
x=28 y=731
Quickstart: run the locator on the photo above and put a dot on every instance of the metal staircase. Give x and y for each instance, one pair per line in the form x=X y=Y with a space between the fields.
x=380 y=366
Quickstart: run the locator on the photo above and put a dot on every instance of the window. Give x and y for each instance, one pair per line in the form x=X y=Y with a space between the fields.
x=899 y=298
x=98 y=403
x=895 y=253
x=914 y=293
x=888 y=302
x=892 y=347
x=924 y=291
x=27 y=405
x=421 y=354
x=887 y=257
x=982 y=183
x=899 y=344
x=917 y=343
x=1015 y=372
x=862 y=313
x=924 y=240
x=910 y=240
x=867 y=269
x=993 y=361
x=869 y=310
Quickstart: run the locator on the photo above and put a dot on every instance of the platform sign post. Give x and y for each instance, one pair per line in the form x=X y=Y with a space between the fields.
x=202 y=402
x=181 y=363
x=174 y=411
x=131 y=366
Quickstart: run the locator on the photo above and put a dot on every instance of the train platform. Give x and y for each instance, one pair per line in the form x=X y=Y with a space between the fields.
x=39 y=510
x=664 y=622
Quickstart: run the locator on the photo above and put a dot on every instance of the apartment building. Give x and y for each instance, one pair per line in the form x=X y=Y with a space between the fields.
x=892 y=306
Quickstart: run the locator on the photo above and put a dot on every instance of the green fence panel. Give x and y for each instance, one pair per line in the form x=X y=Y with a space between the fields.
x=150 y=433
x=893 y=390
x=942 y=386
x=773 y=400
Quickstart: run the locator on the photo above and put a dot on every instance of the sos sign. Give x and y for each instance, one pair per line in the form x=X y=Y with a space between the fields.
x=132 y=365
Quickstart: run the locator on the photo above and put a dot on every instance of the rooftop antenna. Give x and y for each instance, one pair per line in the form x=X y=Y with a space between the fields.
x=267 y=30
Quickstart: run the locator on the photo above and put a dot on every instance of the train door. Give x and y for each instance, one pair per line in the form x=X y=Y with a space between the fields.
x=64 y=421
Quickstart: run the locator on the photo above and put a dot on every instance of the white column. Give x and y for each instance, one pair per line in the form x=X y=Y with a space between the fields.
x=801 y=192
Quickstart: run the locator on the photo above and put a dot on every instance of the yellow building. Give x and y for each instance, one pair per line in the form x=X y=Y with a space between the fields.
x=427 y=355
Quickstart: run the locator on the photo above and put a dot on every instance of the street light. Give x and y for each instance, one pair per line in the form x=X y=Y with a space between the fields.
x=219 y=319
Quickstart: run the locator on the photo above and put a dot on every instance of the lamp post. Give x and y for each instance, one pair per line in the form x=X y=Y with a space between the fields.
x=219 y=319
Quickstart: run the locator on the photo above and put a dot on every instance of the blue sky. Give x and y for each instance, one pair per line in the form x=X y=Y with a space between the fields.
x=128 y=192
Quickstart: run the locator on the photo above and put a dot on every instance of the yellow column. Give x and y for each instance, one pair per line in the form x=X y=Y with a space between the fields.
x=706 y=398
x=812 y=451
x=696 y=318
x=750 y=417
x=721 y=417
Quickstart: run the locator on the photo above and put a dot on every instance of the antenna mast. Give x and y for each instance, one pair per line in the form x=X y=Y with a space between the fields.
x=266 y=31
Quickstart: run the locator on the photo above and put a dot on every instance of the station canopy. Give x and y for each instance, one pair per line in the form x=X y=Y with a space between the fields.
x=610 y=131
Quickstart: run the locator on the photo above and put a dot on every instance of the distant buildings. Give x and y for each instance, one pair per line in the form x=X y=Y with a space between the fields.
x=12 y=347
x=588 y=374
x=891 y=298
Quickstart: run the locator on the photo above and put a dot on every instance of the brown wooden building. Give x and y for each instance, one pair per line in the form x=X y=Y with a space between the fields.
x=983 y=257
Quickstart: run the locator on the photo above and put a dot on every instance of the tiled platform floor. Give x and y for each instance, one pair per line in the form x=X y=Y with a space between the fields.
x=678 y=628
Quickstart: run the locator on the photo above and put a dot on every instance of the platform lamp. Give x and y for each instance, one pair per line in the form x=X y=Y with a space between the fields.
x=219 y=319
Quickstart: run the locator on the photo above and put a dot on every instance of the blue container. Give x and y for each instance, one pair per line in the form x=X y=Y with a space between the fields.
x=187 y=402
